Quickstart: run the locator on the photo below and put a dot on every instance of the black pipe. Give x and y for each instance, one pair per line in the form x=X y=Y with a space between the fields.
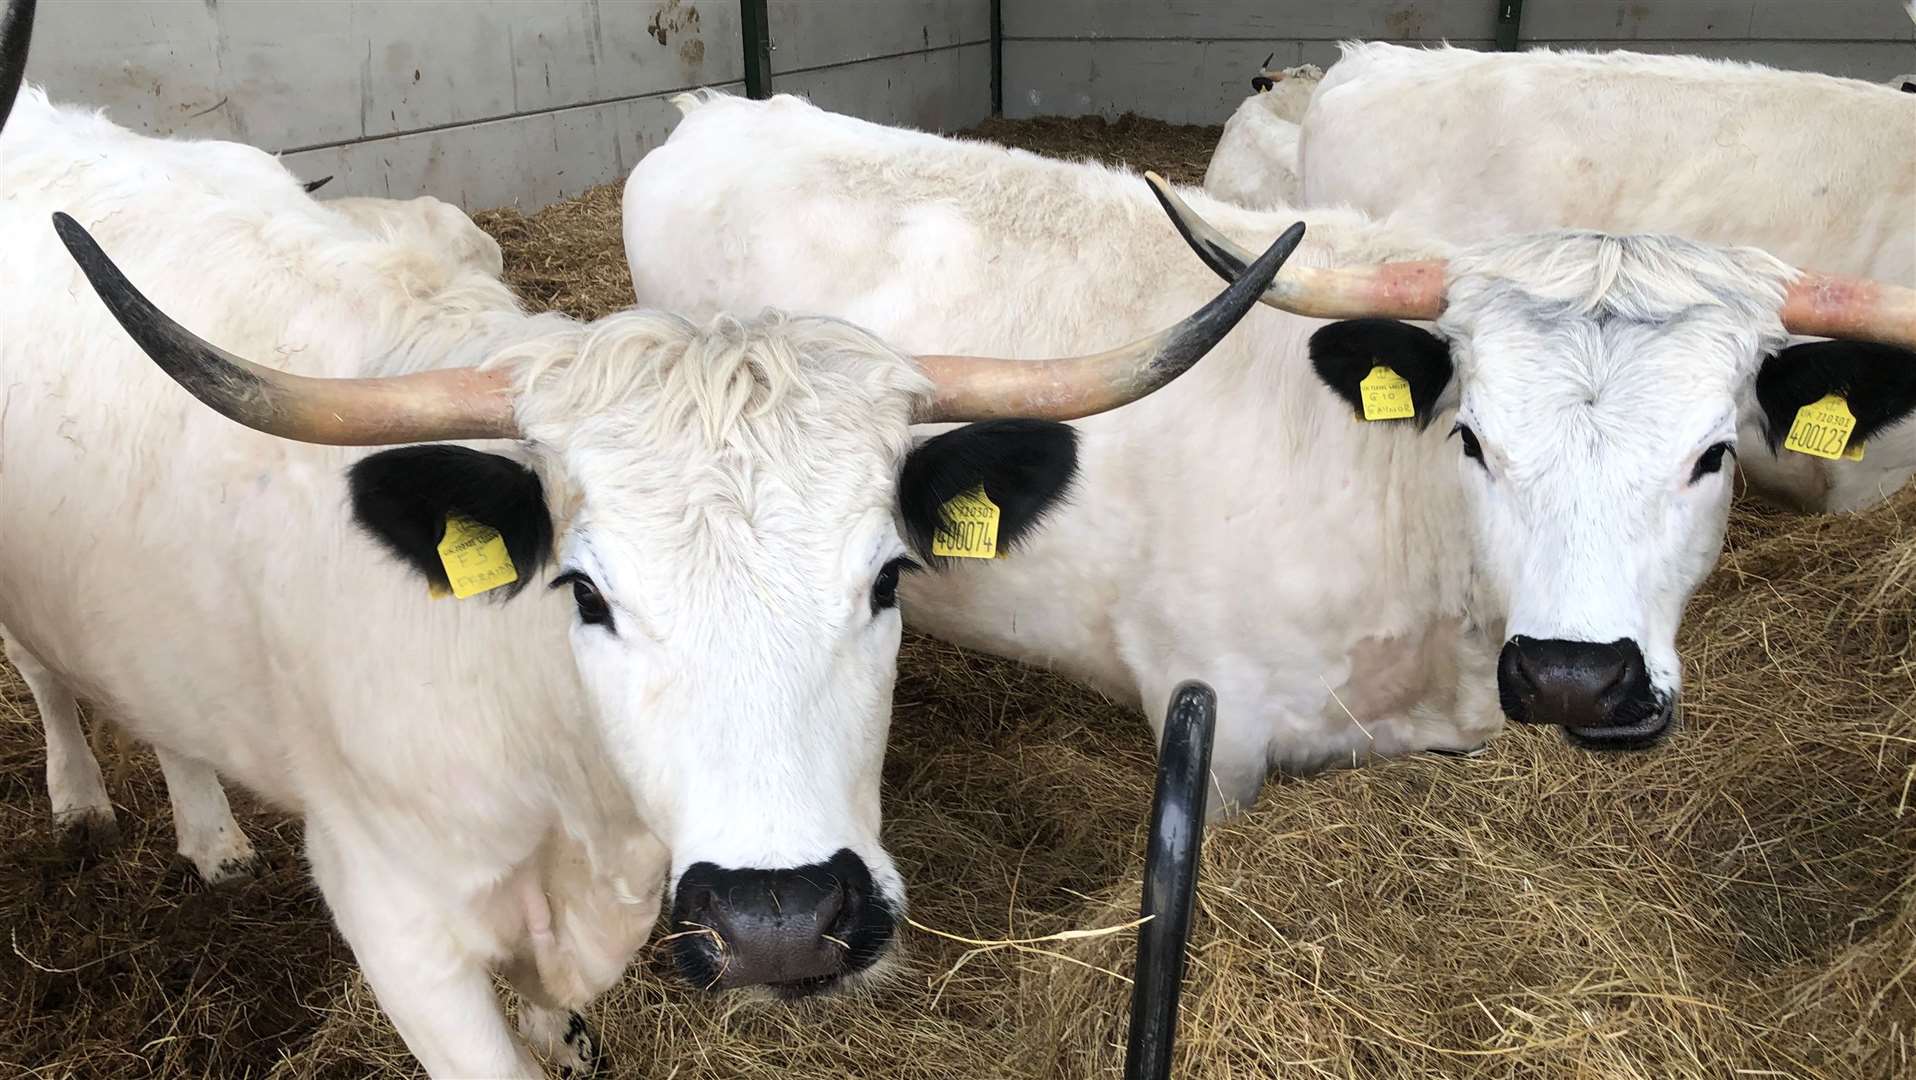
x=1170 y=879
x=997 y=58
x=756 y=27
x=1509 y=24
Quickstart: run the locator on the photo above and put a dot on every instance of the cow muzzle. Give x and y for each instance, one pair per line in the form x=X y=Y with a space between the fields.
x=1599 y=693
x=796 y=932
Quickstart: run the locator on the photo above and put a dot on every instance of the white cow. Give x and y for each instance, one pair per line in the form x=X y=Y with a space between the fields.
x=1255 y=163
x=426 y=224
x=1817 y=170
x=508 y=781
x=205 y=830
x=1349 y=588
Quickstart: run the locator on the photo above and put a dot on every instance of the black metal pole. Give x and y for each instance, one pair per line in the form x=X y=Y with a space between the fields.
x=997 y=58
x=1170 y=879
x=1509 y=20
x=756 y=28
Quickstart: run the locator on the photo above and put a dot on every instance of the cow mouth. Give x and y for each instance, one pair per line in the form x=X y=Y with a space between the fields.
x=1640 y=734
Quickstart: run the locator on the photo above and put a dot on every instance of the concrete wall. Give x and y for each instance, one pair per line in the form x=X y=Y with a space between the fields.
x=490 y=102
x=1191 y=61
x=918 y=63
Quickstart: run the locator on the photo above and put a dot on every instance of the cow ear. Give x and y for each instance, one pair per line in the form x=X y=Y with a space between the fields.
x=1343 y=353
x=402 y=498
x=1878 y=382
x=1025 y=467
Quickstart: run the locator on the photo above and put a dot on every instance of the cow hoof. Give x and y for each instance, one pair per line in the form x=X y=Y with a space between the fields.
x=88 y=829
x=230 y=872
x=564 y=1039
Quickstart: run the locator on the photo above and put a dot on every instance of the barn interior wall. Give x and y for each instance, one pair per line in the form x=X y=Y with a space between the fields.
x=511 y=102
x=1192 y=62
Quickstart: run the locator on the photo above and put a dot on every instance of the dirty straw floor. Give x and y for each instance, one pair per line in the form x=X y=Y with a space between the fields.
x=1741 y=903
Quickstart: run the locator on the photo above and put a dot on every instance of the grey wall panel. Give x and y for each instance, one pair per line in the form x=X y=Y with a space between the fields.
x=942 y=90
x=288 y=74
x=1274 y=19
x=814 y=33
x=1705 y=20
x=528 y=161
x=1191 y=60
x=489 y=102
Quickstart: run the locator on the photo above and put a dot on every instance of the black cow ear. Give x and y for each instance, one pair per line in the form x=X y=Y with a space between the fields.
x=402 y=498
x=1025 y=466
x=1878 y=382
x=1344 y=352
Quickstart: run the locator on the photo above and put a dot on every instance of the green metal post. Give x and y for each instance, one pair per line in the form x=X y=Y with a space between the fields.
x=757 y=29
x=1509 y=18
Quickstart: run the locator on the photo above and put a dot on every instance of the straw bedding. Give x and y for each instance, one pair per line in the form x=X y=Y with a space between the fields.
x=1741 y=902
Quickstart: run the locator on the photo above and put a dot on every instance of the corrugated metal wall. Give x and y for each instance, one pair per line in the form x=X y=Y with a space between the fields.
x=1191 y=60
x=490 y=102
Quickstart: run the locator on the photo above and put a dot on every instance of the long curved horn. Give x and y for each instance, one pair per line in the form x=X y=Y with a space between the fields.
x=984 y=388
x=1856 y=309
x=16 y=30
x=457 y=403
x=1403 y=290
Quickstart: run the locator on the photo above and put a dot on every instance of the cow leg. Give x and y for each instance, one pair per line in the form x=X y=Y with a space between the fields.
x=75 y=787
x=563 y=1038
x=208 y=836
x=437 y=993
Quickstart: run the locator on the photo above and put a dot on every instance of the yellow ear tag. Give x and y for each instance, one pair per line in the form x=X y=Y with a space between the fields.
x=475 y=557
x=1822 y=429
x=970 y=529
x=1386 y=395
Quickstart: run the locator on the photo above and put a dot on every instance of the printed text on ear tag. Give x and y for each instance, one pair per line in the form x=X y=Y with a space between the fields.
x=1386 y=395
x=475 y=557
x=970 y=528
x=1822 y=428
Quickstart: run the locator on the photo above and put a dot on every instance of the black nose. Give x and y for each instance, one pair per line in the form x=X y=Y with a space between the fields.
x=796 y=931
x=1600 y=694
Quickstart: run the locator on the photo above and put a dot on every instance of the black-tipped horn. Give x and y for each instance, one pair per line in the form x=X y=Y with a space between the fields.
x=988 y=388
x=452 y=403
x=1170 y=879
x=314 y=185
x=16 y=32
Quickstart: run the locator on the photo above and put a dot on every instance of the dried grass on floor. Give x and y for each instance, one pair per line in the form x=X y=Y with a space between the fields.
x=1739 y=902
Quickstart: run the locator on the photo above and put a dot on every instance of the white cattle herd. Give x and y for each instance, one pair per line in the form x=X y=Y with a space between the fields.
x=733 y=506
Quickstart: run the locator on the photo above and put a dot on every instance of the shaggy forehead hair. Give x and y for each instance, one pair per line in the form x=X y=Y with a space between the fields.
x=723 y=440
x=1590 y=277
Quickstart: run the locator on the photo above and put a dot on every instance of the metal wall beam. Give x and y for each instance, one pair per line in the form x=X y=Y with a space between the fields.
x=997 y=58
x=756 y=28
x=1509 y=20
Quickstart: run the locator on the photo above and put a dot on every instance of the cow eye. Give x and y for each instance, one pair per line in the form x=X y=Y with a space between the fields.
x=1710 y=461
x=885 y=589
x=593 y=610
x=1469 y=439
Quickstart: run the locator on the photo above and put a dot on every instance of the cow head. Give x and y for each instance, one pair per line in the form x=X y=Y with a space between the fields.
x=728 y=509
x=1591 y=386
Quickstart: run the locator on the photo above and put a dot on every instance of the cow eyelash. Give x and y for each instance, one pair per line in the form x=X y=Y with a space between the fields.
x=1469 y=438
x=593 y=609
x=885 y=589
x=1711 y=460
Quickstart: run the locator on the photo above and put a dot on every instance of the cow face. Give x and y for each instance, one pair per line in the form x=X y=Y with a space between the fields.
x=730 y=510
x=1591 y=387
